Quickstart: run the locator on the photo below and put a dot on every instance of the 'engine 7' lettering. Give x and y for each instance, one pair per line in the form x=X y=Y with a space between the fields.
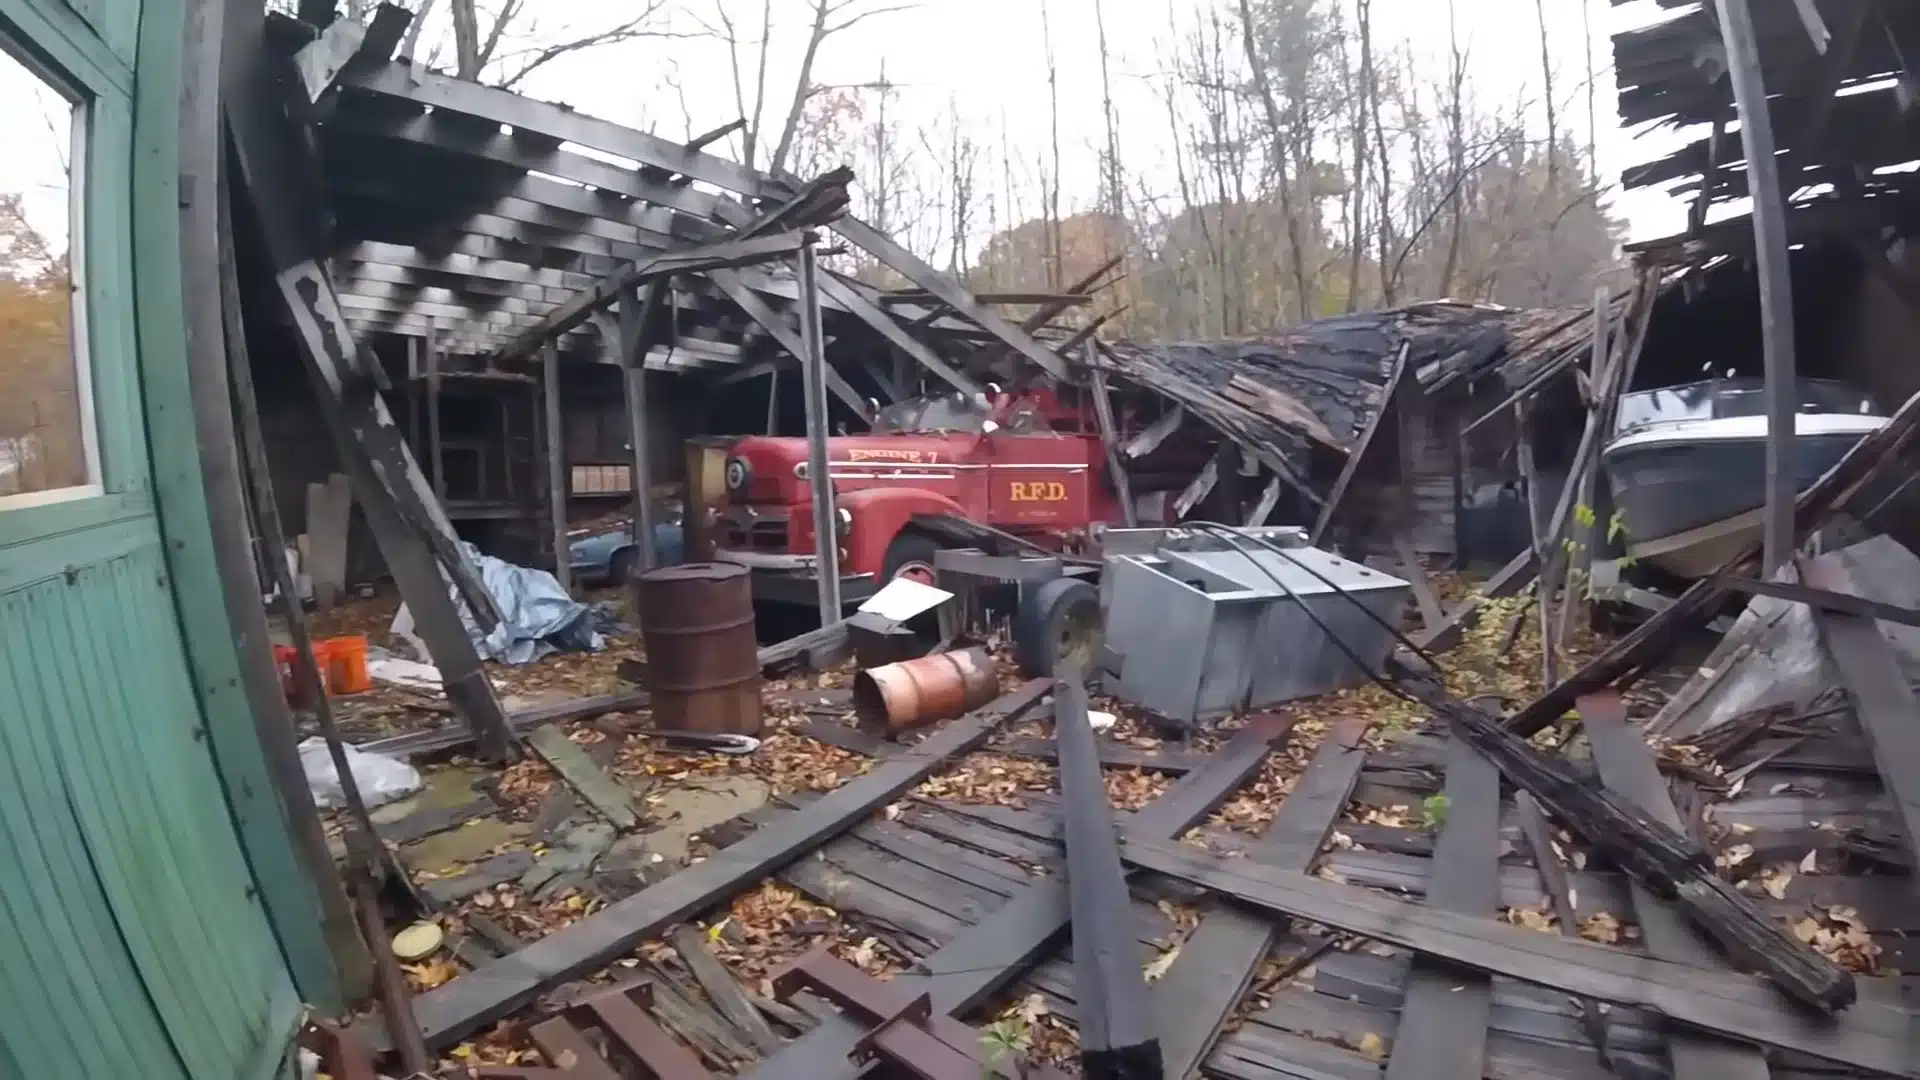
x=1038 y=491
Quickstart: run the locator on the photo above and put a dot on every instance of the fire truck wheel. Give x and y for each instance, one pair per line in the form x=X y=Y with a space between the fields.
x=1057 y=622
x=911 y=556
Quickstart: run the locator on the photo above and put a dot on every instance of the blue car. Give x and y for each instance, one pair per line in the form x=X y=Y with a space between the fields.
x=609 y=556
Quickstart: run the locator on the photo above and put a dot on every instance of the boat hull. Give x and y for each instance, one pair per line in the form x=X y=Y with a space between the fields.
x=1688 y=505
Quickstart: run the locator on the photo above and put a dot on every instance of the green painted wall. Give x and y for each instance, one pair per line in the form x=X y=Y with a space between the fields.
x=141 y=845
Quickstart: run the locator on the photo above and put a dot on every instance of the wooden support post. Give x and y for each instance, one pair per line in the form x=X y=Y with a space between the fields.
x=638 y=309
x=813 y=368
x=1523 y=442
x=406 y=519
x=556 y=462
x=1776 y=286
x=1110 y=437
x=436 y=449
x=1387 y=402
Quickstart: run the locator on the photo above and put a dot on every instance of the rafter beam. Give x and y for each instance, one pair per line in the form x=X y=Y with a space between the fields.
x=874 y=316
x=361 y=277
x=666 y=264
x=374 y=252
x=560 y=122
x=950 y=292
x=445 y=132
x=787 y=335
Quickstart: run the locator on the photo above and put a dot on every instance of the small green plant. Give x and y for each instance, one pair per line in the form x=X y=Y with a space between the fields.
x=1005 y=1040
x=1433 y=811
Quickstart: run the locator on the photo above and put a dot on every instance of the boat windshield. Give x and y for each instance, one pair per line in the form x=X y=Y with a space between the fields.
x=1718 y=399
x=940 y=413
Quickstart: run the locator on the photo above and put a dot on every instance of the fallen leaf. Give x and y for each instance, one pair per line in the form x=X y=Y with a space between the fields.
x=1373 y=1047
x=1806 y=930
x=1161 y=963
x=1810 y=864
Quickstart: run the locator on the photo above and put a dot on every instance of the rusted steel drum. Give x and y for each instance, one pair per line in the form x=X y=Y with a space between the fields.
x=913 y=693
x=703 y=665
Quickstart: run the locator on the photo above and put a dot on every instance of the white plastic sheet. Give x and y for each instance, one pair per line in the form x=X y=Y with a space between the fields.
x=381 y=779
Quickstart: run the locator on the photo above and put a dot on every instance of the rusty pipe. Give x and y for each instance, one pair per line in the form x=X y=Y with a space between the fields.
x=914 y=693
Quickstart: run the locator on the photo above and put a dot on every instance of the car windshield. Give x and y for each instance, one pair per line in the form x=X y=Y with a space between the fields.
x=1716 y=399
x=947 y=412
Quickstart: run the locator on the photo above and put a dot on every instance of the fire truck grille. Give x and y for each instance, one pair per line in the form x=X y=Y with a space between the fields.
x=759 y=536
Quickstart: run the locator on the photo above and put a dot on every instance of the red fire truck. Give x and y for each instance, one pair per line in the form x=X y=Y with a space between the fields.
x=1022 y=463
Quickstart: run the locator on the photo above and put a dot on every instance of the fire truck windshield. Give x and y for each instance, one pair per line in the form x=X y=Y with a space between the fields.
x=946 y=412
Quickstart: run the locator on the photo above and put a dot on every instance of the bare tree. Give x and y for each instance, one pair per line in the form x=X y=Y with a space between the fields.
x=1052 y=174
x=1113 y=178
x=511 y=41
x=1287 y=143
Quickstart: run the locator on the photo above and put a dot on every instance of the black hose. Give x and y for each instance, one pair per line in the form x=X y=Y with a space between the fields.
x=1238 y=538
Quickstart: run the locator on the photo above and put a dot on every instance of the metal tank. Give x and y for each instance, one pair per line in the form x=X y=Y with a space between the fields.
x=703 y=665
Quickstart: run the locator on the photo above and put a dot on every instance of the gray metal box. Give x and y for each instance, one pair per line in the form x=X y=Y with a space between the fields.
x=1202 y=633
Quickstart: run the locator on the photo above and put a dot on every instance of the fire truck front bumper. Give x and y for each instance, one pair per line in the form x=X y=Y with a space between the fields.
x=781 y=578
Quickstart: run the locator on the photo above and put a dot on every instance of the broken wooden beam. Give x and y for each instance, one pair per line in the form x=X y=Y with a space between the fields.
x=423 y=743
x=982 y=960
x=1507 y=581
x=1665 y=860
x=1628 y=770
x=1218 y=961
x=1873 y=1034
x=1823 y=600
x=476 y=999
x=602 y=792
x=725 y=991
x=1117 y=1033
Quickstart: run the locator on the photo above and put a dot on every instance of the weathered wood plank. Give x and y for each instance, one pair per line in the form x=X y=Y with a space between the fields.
x=723 y=989
x=1117 y=1032
x=609 y=796
x=1627 y=769
x=1443 y=1025
x=1872 y=1034
x=1220 y=958
x=1553 y=878
x=984 y=958
x=478 y=998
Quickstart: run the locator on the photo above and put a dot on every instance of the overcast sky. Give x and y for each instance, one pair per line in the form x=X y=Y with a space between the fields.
x=985 y=59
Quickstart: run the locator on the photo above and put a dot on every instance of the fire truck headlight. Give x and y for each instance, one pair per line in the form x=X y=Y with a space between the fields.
x=739 y=475
x=843 y=523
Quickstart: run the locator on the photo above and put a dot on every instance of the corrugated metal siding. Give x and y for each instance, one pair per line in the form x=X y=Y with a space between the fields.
x=134 y=945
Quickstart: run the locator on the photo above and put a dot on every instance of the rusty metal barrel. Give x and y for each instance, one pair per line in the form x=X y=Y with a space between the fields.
x=703 y=664
x=913 y=693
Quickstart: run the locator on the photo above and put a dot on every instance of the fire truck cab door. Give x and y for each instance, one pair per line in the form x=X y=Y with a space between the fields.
x=1036 y=477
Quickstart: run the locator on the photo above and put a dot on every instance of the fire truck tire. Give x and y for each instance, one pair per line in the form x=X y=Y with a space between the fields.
x=1057 y=621
x=911 y=551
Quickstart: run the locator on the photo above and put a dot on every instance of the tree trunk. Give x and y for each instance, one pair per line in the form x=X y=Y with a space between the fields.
x=803 y=87
x=1278 y=148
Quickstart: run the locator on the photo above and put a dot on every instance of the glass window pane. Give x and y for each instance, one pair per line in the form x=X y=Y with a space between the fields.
x=46 y=442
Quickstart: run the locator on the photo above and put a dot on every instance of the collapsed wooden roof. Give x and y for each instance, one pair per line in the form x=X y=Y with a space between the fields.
x=1325 y=383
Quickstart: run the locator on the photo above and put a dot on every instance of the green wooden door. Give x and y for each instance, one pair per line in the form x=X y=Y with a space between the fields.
x=134 y=942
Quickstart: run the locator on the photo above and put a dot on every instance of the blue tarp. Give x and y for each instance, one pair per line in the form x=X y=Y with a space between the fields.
x=537 y=617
